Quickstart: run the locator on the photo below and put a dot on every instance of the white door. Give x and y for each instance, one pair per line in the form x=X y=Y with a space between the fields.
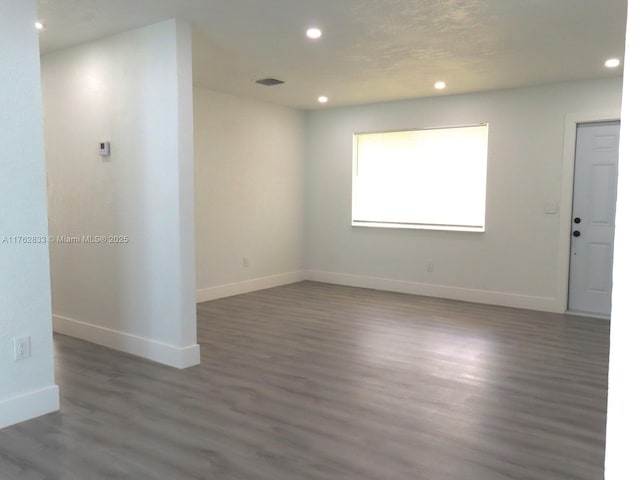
x=594 y=208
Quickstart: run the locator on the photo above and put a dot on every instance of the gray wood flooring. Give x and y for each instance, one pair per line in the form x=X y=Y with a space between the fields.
x=313 y=381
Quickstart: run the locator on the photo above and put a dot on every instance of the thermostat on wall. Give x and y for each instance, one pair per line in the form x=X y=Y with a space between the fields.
x=105 y=149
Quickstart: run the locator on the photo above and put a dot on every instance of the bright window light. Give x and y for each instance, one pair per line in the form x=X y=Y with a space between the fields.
x=426 y=179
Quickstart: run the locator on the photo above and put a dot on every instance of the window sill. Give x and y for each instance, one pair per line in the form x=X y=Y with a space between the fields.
x=418 y=226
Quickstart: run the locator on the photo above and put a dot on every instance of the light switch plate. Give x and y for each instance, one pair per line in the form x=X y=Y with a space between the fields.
x=550 y=208
x=104 y=149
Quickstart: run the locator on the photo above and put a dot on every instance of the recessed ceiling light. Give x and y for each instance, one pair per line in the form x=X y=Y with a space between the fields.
x=323 y=99
x=314 y=33
x=612 y=63
x=39 y=26
x=269 y=82
x=440 y=85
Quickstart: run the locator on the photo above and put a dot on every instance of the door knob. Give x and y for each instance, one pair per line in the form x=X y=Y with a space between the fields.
x=576 y=233
x=577 y=220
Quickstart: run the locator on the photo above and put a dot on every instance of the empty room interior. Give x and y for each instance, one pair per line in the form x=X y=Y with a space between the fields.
x=303 y=239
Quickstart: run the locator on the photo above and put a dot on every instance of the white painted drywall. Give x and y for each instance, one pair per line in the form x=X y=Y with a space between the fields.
x=623 y=416
x=516 y=261
x=134 y=90
x=26 y=387
x=249 y=194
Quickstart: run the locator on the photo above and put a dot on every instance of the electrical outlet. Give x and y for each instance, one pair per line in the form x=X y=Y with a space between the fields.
x=21 y=348
x=245 y=262
x=429 y=267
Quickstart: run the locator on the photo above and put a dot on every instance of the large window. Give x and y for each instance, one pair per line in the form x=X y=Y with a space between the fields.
x=430 y=179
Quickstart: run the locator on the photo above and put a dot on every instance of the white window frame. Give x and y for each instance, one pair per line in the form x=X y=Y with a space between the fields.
x=481 y=189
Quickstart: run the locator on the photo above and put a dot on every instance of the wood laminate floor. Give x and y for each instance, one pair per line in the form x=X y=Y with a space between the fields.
x=313 y=381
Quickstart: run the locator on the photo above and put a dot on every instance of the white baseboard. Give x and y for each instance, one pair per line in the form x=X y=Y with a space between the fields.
x=125 y=342
x=546 y=304
x=596 y=316
x=247 y=286
x=29 y=405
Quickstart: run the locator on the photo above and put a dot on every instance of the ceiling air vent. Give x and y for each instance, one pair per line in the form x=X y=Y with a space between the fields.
x=269 y=82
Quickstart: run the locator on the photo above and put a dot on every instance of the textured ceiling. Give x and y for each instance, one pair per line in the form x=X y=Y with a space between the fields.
x=371 y=50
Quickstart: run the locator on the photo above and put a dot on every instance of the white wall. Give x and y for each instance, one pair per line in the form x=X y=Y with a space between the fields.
x=26 y=387
x=623 y=416
x=517 y=261
x=249 y=194
x=135 y=90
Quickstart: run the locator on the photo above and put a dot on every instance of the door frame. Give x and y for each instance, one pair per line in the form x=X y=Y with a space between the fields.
x=566 y=197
